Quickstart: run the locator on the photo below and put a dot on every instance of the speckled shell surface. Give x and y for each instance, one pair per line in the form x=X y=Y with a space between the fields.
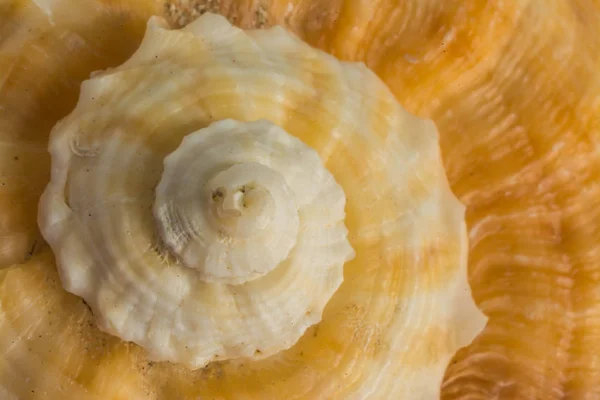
x=359 y=179
x=514 y=89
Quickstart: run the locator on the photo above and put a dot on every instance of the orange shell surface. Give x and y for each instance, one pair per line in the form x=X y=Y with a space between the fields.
x=514 y=89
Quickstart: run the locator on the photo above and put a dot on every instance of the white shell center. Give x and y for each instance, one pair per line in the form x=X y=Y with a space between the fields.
x=233 y=221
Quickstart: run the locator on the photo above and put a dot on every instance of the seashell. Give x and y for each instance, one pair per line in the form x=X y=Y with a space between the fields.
x=513 y=89
x=229 y=214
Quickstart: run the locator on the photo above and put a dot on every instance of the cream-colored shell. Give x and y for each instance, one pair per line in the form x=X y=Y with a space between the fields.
x=405 y=291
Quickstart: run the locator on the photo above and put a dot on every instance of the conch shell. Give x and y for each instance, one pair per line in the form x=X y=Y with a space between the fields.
x=264 y=217
x=514 y=89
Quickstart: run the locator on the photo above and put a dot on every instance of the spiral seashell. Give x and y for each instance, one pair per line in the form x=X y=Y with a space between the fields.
x=233 y=214
x=513 y=89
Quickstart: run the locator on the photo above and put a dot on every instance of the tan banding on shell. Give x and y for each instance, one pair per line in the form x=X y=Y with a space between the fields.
x=133 y=175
